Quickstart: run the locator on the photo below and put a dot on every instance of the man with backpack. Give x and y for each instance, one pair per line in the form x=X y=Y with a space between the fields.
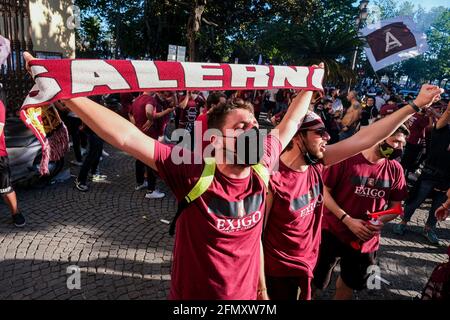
x=218 y=234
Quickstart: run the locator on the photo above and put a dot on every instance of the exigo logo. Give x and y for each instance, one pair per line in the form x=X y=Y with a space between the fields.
x=370 y=192
x=232 y=225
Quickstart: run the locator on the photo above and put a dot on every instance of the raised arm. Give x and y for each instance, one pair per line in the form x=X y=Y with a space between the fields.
x=380 y=130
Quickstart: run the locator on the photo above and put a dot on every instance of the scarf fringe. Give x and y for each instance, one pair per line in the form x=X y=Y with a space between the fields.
x=54 y=147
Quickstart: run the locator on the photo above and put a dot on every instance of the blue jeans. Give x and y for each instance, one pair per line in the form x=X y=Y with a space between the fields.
x=423 y=189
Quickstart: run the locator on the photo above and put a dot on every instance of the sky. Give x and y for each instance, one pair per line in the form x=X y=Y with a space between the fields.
x=427 y=4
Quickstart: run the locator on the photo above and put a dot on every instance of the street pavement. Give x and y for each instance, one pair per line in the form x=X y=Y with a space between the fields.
x=116 y=239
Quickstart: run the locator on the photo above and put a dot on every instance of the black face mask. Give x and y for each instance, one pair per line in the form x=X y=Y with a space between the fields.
x=309 y=158
x=249 y=147
x=389 y=152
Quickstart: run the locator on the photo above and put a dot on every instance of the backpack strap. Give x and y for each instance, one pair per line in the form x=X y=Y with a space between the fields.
x=263 y=173
x=199 y=188
x=205 y=181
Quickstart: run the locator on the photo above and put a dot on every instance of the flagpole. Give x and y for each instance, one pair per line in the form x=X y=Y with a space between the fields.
x=363 y=13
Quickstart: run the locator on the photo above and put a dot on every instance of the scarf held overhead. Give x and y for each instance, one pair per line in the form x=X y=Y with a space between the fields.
x=67 y=78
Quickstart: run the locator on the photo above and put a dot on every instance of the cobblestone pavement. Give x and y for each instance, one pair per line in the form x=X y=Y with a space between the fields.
x=115 y=236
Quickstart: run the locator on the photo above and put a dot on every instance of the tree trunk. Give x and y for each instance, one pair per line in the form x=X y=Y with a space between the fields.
x=193 y=27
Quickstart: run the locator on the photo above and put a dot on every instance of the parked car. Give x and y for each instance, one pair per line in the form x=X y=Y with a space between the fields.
x=25 y=154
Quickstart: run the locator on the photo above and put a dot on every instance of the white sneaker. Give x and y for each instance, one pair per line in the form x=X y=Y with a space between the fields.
x=141 y=186
x=155 y=195
x=99 y=177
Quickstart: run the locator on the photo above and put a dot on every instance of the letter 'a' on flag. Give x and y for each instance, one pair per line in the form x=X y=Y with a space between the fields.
x=393 y=40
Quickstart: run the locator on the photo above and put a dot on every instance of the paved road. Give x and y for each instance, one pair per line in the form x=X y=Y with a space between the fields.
x=115 y=236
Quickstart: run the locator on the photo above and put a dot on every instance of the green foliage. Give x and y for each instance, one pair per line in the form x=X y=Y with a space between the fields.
x=282 y=31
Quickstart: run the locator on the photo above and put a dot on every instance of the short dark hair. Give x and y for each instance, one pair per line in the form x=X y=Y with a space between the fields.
x=326 y=101
x=214 y=98
x=217 y=115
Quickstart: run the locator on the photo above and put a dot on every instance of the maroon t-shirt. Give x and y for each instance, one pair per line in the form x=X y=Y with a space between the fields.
x=387 y=109
x=3 y=151
x=292 y=235
x=217 y=241
x=140 y=116
x=417 y=125
x=359 y=186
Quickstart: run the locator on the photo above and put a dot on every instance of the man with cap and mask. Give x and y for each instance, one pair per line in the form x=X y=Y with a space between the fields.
x=367 y=182
x=292 y=231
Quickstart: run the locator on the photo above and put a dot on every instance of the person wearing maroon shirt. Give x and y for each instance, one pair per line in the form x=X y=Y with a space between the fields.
x=293 y=225
x=366 y=182
x=388 y=108
x=218 y=238
x=433 y=181
x=417 y=125
x=143 y=113
x=6 y=189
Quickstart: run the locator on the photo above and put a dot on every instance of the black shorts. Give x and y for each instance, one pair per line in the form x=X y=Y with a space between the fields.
x=5 y=176
x=354 y=264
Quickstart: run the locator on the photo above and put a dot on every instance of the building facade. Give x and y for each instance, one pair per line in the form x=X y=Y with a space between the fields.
x=43 y=27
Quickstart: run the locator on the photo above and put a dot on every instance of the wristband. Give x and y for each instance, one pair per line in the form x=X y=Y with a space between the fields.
x=343 y=217
x=414 y=106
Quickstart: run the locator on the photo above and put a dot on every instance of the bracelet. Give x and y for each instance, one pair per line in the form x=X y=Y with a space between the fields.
x=343 y=217
x=414 y=106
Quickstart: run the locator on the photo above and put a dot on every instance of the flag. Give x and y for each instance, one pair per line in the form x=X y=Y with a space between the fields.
x=393 y=40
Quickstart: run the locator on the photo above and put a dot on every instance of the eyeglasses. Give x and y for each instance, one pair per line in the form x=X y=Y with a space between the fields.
x=322 y=132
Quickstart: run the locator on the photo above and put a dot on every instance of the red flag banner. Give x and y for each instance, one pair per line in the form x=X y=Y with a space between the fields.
x=68 y=78
x=64 y=79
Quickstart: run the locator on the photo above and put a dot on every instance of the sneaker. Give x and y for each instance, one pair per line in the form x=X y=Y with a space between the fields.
x=19 y=220
x=431 y=236
x=399 y=229
x=141 y=186
x=81 y=187
x=155 y=195
x=99 y=177
x=76 y=163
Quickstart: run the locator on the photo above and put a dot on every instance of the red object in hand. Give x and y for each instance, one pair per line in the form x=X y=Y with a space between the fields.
x=374 y=220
